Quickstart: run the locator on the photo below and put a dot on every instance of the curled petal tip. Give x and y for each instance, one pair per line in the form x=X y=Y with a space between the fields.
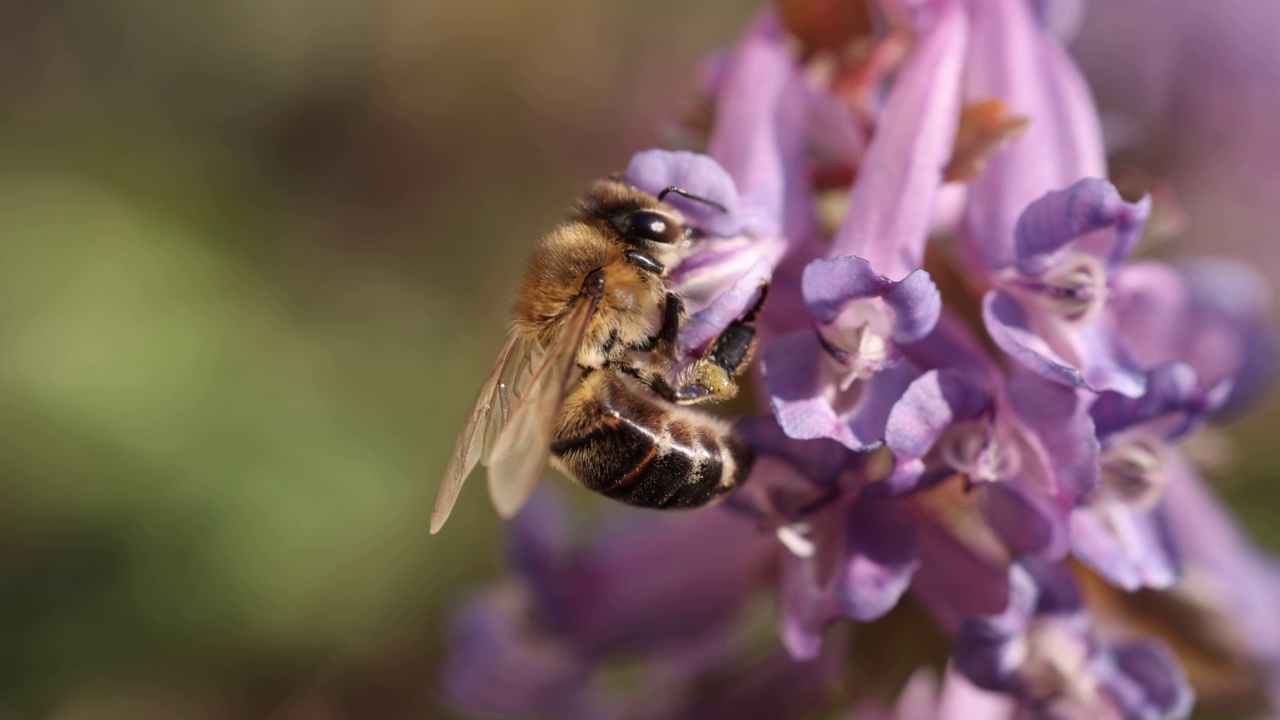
x=1091 y=213
x=831 y=286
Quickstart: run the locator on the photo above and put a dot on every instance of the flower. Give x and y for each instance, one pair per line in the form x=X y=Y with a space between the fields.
x=835 y=384
x=545 y=641
x=1041 y=649
x=1024 y=446
x=978 y=396
x=847 y=550
x=1049 y=311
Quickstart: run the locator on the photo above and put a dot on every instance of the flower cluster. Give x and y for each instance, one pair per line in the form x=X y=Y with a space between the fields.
x=979 y=403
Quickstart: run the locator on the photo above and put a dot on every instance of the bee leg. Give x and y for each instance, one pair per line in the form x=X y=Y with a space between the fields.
x=645 y=261
x=710 y=379
x=704 y=381
x=664 y=344
x=653 y=377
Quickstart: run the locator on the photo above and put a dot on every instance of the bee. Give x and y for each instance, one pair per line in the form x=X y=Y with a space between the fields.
x=588 y=375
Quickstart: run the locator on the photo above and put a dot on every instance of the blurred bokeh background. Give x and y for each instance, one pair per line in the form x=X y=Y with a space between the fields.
x=254 y=262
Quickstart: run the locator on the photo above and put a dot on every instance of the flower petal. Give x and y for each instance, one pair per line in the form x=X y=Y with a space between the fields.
x=540 y=549
x=761 y=106
x=1056 y=589
x=1173 y=396
x=953 y=345
x=706 y=324
x=1012 y=58
x=872 y=568
x=961 y=700
x=1147 y=682
x=1061 y=17
x=891 y=204
x=931 y=404
x=1209 y=314
x=1245 y=582
x=1091 y=214
x=792 y=374
x=830 y=285
x=804 y=607
x=1230 y=309
x=718 y=263
x=883 y=555
x=628 y=573
x=958 y=580
x=986 y=650
x=1026 y=519
x=820 y=461
x=992 y=651
x=1127 y=546
x=501 y=664
x=802 y=388
x=1149 y=301
x=1061 y=429
x=1103 y=367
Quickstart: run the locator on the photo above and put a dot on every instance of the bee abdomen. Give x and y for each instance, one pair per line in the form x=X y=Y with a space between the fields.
x=643 y=452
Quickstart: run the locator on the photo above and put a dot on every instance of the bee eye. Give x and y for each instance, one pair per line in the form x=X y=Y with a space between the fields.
x=649 y=225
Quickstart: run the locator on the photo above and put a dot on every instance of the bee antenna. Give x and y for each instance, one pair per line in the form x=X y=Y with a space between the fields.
x=697 y=198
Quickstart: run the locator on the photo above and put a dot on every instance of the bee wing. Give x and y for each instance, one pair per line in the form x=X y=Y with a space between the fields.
x=520 y=452
x=490 y=411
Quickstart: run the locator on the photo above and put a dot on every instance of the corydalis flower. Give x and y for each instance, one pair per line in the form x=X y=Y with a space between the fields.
x=848 y=551
x=1041 y=648
x=544 y=642
x=1025 y=447
x=870 y=295
x=1049 y=309
x=976 y=398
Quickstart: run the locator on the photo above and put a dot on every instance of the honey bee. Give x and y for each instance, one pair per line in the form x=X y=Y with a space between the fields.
x=588 y=376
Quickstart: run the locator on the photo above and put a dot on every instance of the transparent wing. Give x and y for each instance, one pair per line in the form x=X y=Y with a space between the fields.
x=488 y=415
x=520 y=452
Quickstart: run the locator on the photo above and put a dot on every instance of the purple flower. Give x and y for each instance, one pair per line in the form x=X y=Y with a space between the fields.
x=870 y=295
x=847 y=550
x=815 y=395
x=1209 y=314
x=978 y=440
x=539 y=645
x=892 y=199
x=1042 y=649
x=764 y=104
x=864 y=553
x=1024 y=446
x=1049 y=311
x=1199 y=332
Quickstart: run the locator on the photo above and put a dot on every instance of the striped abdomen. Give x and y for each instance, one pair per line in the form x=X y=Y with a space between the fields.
x=618 y=439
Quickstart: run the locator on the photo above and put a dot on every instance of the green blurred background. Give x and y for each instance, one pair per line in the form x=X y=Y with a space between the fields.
x=254 y=261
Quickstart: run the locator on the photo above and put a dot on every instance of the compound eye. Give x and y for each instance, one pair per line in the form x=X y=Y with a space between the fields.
x=652 y=226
